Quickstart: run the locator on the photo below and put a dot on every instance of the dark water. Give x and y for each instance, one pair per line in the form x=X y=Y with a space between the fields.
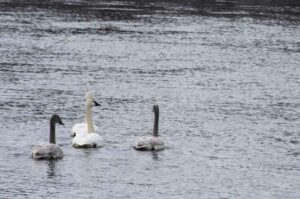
x=226 y=75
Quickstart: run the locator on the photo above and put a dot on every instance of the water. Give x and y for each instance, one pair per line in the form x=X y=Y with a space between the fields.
x=225 y=74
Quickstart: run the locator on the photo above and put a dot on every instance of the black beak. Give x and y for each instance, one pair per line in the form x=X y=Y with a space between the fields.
x=97 y=104
x=60 y=122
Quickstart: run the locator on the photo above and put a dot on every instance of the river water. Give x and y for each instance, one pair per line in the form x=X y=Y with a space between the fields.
x=225 y=74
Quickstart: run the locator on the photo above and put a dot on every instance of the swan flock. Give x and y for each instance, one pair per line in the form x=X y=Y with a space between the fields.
x=86 y=134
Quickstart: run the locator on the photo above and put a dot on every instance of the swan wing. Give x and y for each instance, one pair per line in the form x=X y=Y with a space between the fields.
x=148 y=143
x=87 y=140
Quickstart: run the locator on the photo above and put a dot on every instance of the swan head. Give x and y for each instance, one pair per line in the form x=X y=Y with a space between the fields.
x=89 y=95
x=90 y=103
x=155 y=109
x=56 y=119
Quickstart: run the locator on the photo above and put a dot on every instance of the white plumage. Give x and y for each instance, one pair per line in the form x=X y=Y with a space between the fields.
x=80 y=128
x=87 y=140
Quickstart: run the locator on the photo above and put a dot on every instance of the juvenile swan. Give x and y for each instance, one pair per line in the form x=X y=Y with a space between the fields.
x=51 y=150
x=151 y=142
x=85 y=135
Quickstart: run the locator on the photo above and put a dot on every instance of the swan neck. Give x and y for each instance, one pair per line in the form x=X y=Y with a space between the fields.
x=155 y=128
x=52 y=132
x=89 y=120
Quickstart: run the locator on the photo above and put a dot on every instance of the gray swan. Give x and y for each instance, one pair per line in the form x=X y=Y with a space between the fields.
x=150 y=142
x=50 y=150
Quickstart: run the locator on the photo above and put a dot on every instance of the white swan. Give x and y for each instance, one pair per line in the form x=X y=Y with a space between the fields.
x=150 y=142
x=50 y=150
x=85 y=133
x=80 y=128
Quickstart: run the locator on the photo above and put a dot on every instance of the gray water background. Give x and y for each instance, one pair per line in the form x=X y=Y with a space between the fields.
x=226 y=75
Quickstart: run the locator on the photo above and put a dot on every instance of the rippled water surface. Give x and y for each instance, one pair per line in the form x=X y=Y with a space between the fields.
x=226 y=76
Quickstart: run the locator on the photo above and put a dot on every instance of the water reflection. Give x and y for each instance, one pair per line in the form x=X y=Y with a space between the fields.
x=51 y=168
x=154 y=155
x=88 y=152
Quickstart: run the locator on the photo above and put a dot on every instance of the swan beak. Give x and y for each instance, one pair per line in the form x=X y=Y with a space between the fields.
x=61 y=123
x=97 y=104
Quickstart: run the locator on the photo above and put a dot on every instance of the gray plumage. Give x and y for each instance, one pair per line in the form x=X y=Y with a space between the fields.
x=47 y=151
x=151 y=142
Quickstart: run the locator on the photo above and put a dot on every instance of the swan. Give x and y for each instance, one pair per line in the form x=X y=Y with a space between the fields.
x=80 y=128
x=50 y=150
x=150 y=142
x=84 y=134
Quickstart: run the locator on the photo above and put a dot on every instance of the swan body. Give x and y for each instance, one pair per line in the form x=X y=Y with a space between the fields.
x=87 y=140
x=85 y=135
x=151 y=142
x=80 y=128
x=47 y=151
x=50 y=150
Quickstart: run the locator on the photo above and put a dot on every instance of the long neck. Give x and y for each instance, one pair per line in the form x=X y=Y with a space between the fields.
x=155 y=128
x=89 y=120
x=52 y=132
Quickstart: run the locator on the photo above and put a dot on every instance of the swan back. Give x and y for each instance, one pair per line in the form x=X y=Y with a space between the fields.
x=81 y=128
x=87 y=140
x=47 y=151
x=149 y=143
